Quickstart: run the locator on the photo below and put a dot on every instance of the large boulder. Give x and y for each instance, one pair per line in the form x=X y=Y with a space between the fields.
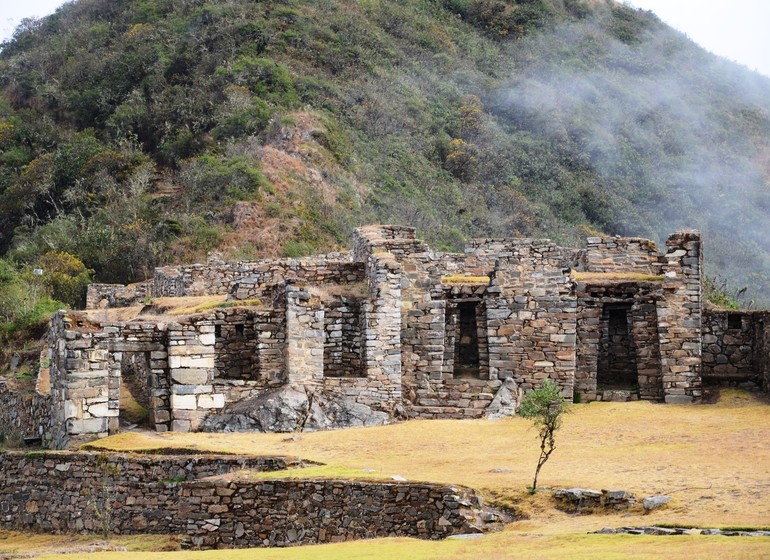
x=290 y=409
x=506 y=400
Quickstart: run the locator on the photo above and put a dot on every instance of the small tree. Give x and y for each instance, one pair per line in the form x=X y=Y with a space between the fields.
x=544 y=406
x=102 y=497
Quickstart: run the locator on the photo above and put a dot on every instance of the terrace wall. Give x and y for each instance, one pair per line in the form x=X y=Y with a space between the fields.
x=60 y=493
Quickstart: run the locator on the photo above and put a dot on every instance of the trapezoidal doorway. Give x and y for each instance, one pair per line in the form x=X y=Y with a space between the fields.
x=616 y=366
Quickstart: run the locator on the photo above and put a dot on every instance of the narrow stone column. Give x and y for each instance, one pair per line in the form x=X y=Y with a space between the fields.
x=382 y=324
x=191 y=369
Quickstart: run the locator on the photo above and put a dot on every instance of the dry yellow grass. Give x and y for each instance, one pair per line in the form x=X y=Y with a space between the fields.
x=603 y=277
x=13 y=543
x=460 y=279
x=508 y=545
x=167 y=307
x=714 y=460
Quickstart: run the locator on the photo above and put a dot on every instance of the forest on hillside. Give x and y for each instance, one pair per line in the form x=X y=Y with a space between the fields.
x=145 y=132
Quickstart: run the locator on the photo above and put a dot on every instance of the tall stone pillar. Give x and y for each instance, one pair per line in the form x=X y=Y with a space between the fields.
x=679 y=319
x=382 y=324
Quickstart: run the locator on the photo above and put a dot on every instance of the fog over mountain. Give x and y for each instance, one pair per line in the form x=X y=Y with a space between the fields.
x=273 y=128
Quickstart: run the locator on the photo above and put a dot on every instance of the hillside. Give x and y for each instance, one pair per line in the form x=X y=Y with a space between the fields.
x=140 y=133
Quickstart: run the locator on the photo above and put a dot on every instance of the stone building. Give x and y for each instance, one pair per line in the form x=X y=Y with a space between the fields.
x=394 y=329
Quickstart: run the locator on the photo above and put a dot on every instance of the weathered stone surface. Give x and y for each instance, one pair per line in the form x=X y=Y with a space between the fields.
x=291 y=410
x=654 y=502
x=190 y=376
x=668 y=531
x=506 y=400
x=577 y=499
x=394 y=329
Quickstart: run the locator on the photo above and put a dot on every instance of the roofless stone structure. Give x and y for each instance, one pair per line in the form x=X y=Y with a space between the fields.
x=393 y=330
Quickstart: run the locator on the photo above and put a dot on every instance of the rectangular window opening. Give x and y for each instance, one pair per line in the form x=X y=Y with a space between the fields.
x=734 y=321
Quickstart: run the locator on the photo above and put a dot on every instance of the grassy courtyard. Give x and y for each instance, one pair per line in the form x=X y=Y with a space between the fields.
x=712 y=459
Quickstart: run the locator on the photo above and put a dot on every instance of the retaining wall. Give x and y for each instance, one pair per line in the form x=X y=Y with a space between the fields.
x=67 y=492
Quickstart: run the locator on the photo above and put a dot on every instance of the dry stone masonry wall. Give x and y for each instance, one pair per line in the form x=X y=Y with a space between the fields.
x=60 y=493
x=24 y=415
x=736 y=347
x=246 y=280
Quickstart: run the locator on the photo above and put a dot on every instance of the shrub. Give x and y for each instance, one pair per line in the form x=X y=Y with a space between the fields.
x=545 y=407
x=66 y=277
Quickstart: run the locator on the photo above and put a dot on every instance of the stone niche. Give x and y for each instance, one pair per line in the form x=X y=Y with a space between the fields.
x=237 y=355
x=466 y=346
x=343 y=344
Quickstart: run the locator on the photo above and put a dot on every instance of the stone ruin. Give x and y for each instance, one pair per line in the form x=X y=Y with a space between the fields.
x=395 y=330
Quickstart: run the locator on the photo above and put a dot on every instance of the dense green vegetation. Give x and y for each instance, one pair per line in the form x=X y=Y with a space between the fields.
x=142 y=132
x=30 y=294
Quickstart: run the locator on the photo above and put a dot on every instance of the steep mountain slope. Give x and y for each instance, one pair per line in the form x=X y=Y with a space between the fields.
x=142 y=132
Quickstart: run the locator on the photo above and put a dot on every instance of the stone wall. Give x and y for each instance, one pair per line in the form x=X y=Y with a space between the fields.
x=100 y=296
x=400 y=241
x=84 y=400
x=637 y=300
x=191 y=361
x=236 y=347
x=401 y=329
x=249 y=351
x=92 y=367
x=24 y=414
x=733 y=346
x=343 y=345
x=533 y=318
x=728 y=345
x=292 y=512
x=679 y=318
x=247 y=280
x=458 y=399
x=620 y=254
x=60 y=493
x=379 y=384
x=86 y=364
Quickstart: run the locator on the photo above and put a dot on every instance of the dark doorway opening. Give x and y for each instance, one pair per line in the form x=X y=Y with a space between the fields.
x=616 y=367
x=466 y=359
x=135 y=388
